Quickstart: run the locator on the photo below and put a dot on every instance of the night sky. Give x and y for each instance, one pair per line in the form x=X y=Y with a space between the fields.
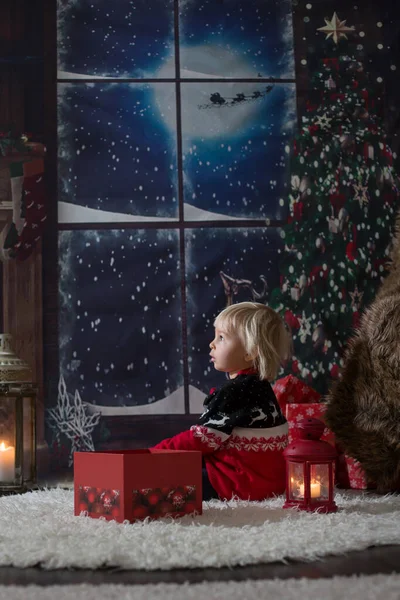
x=136 y=38
x=120 y=315
x=246 y=39
x=235 y=163
x=125 y=38
x=240 y=253
x=115 y=153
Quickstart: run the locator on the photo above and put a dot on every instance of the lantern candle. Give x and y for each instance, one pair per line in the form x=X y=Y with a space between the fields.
x=315 y=490
x=7 y=462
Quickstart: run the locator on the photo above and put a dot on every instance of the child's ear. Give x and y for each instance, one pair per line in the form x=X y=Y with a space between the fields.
x=251 y=357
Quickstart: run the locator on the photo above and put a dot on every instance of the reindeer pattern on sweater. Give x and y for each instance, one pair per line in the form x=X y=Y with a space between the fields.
x=245 y=401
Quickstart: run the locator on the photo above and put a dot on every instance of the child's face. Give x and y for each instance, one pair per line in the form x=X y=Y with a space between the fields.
x=228 y=353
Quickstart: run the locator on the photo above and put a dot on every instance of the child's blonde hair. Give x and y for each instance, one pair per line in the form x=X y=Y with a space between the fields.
x=262 y=333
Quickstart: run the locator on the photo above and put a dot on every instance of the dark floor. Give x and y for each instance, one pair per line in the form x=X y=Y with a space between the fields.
x=383 y=559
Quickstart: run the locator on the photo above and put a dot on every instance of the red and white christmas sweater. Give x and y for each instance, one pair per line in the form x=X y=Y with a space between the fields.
x=242 y=434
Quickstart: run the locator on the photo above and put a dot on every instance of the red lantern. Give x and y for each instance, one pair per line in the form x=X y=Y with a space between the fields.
x=310 y=469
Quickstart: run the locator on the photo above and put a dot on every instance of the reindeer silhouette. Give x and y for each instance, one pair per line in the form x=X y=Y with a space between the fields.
x=262 y=416
x=233 y=286
x=275 y=412
x=220 y=421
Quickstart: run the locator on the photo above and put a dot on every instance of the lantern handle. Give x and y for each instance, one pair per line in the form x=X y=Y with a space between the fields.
x=311 y=429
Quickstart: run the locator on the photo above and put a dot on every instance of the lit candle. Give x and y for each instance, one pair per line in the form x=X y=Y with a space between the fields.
x=7 y=462
x=315 y=489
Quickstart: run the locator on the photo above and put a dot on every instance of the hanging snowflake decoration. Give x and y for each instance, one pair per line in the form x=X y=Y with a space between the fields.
x=305 y=328
x=70 y=417
x=361 y=194
x=323 y=121
x=356 y=298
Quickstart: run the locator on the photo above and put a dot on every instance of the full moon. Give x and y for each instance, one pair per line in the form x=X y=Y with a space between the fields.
x=200 y=117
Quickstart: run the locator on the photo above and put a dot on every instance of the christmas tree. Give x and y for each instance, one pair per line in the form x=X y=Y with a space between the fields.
x=342 y=205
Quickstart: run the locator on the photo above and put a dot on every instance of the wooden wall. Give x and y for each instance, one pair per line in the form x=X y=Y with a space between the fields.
x=22 y=107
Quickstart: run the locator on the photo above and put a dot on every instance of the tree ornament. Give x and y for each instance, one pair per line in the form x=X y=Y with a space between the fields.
x=305 y=328
x=360 y=112
x=334 y=371
x=356 y=298
x=320 y=244
x=343 y=219
x=302 y=282
x=330 y=83
x=351 y=250
x=347 y=142
x=323 y=121
x=291 y=320
x=295 y=292
x=318 y=336
x=369 y=151
x=361 y=194
x=333 y=222
x=300 y=187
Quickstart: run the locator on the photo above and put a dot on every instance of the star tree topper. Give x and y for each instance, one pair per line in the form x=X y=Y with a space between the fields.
x=336 y=29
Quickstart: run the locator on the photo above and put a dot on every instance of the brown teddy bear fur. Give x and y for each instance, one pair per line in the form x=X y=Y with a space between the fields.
x=364 y=404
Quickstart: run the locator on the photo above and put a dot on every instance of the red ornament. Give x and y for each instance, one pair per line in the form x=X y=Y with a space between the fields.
x=83 y=507
x=334 y=371
x=92 y=496
x=351 y=251
x=189 y=507
x=140 y=512
x=331 y=63
x=291 y=320
x=295 y=366
x=298 y=210
x=153 y=498
x=337 y=201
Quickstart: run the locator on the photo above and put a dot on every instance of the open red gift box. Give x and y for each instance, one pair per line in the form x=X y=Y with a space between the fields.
x=135 y=484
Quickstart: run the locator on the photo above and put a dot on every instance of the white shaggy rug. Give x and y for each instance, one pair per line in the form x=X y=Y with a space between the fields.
x=39 y=528
x=337 y=588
